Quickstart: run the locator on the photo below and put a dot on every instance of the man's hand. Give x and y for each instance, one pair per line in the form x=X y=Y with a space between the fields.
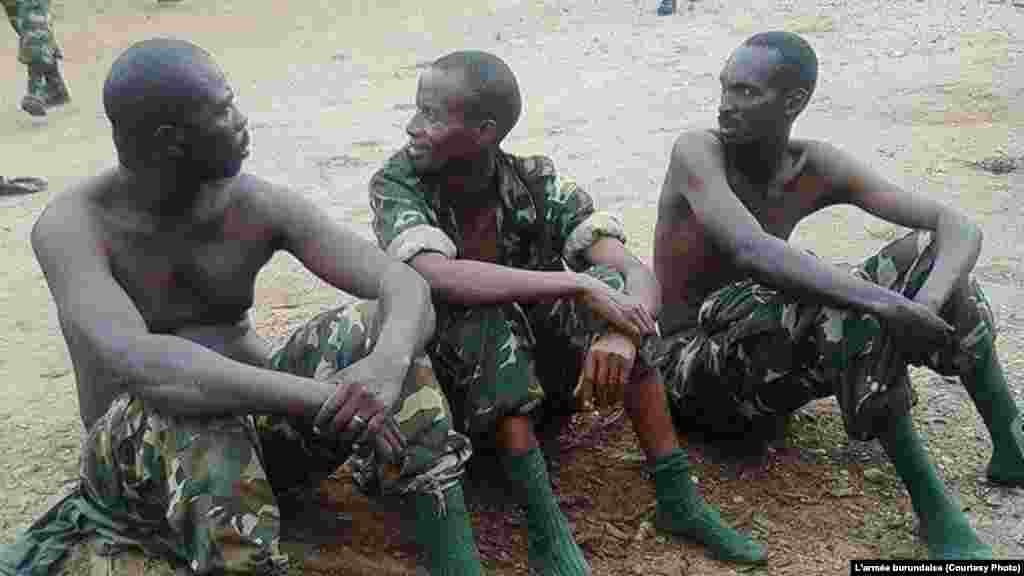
x=606 y=370
x=916 y=326
x=360 y=408
x=625 y=312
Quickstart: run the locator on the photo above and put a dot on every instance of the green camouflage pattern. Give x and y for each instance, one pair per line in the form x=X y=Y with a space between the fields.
x=31 y=20
x=757 y=352
x=205 y=491
x=411 y=215
x=488 y=357
x=505 y=360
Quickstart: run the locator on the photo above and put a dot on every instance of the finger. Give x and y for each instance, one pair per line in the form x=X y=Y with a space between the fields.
x=329 y=408
x=612 y=375
x=627 y=373
x=621 y=374
x=629 y=327
x=394 y=431
x=590 y=367
x=344 y=424
x=602 y=378
x=376 y=429
x=646 y=320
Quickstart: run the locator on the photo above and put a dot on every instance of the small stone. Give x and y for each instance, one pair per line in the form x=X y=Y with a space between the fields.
x=738 y=499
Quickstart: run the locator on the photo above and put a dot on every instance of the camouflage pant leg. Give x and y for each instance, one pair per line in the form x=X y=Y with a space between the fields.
x=757 y=352
x=37 y=45
x=492 y=359
x=436 y=455
x=192 y=489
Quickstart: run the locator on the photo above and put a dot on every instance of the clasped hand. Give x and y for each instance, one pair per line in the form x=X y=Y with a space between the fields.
x=360 y=408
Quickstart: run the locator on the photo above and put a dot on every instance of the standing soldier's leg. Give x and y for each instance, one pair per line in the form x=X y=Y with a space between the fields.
x=11 y=9
x=38 y=50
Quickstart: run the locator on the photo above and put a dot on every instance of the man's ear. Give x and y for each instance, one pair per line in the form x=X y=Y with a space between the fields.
x=169 y=141
x=487 y=133
x=795 y=102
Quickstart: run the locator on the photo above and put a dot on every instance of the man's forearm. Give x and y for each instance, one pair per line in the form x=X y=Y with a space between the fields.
x=183 y=378
x=407 y=314
x=957 y=244
x=777 y=264
x=474 y=283
x=642 y=283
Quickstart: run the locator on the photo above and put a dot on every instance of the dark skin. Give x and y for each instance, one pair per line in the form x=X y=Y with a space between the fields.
x=727 y=212
x=153 y=267
x=462 y=151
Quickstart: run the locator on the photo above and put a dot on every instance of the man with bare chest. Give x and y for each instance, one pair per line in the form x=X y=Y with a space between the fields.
x=197 y=430
x=533 y=286
x=757 y=328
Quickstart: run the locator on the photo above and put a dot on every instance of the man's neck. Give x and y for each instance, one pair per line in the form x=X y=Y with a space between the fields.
x=471 y=183
x=167 y=199
x=761 y=161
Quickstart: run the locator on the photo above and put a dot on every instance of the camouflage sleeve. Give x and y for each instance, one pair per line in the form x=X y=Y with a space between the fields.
x=404 y=223
x=577 y=224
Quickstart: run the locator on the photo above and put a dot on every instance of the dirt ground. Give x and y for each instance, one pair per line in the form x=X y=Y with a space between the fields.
x=923 y=90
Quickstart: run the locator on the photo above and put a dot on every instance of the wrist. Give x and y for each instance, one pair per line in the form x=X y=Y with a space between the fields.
x=580 y=283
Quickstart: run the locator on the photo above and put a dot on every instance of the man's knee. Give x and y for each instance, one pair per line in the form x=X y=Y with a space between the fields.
x=608 y=275
x=331 y=341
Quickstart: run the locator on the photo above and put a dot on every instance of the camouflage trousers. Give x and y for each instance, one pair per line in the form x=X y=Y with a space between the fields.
x=759 y=353
x=31 y=21
x=205 y=491
x=496 y=361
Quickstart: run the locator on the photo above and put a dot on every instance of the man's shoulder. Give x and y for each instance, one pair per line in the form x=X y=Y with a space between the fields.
x=824 y=158
x=73 y=210
x=531 y=168
x=694 y=146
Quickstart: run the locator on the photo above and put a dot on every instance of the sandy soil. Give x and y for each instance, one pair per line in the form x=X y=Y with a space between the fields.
x=919 y=89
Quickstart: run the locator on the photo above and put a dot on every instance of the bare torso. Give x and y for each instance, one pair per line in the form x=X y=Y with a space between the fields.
x=688 y=263
x=195 y=282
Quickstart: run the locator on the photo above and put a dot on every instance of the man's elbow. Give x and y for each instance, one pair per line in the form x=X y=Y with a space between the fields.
x=748 y=253
x=965 y=230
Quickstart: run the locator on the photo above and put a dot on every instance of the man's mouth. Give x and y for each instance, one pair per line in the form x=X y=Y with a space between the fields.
x=729 y=125
x=244 y=147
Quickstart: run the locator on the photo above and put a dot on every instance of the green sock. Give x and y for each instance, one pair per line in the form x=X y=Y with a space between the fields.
x=946 y=530
x=986 y=384
x=446 y=535
x=681 y=511
x=552 y=548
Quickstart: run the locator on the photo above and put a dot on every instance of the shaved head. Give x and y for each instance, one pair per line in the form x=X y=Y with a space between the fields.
x=489 y=90
x=798 y=66
x=159 y=81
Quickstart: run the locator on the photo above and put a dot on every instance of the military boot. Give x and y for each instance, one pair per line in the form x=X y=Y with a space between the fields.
x=35 y=98
x=56 y=90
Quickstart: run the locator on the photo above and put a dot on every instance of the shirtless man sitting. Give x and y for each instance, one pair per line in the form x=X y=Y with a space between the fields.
x=531 y=283
x=759 y=327
x=196 y=429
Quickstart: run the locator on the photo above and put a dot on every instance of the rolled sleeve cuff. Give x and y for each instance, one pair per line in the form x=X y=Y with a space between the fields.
x=419 y=239
x=598 y=225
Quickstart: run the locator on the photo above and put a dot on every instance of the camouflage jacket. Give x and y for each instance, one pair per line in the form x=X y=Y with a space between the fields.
x=410 y=214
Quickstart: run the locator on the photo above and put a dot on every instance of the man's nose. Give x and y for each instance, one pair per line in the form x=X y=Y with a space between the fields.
x=726 y=104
